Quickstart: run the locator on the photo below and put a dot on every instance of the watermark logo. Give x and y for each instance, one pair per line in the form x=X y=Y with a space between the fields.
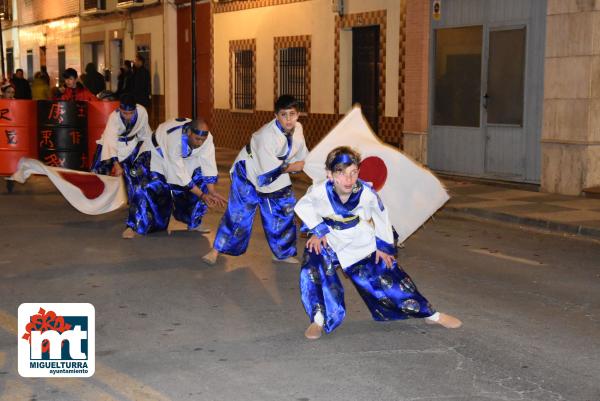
x=56 y=340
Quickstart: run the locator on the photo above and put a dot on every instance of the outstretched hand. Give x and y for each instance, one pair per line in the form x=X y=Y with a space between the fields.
x=316 y=244
x=117 y=170
x=295 y=167
x=386 y=257
x=215 y=199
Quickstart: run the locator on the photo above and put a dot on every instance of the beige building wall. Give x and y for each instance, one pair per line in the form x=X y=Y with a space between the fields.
x=62 y=32
x=330 y=70
x=10 y=38
x=170 y=53
x=571 y=120
x=313 y=18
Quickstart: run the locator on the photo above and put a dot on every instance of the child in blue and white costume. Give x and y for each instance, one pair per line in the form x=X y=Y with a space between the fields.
x=351 y=229
x=260 y=177
x=126 y=129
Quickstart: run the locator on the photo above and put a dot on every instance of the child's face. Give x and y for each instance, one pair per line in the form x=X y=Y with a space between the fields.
x=344 y=181
x=287 y=118
x=70 y=82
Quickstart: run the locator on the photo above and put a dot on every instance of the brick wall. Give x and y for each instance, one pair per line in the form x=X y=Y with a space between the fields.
x=416 y=80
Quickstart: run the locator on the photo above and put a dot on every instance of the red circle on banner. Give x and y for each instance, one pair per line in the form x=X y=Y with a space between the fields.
x=91 y=186
x=373 y=170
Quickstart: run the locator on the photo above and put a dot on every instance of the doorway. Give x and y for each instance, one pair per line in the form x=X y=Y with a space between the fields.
x=487 y=89
x=365 y=72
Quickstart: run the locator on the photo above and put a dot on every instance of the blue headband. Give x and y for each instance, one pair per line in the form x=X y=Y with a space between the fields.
x=343 y=158
x=199 y=132
x=127 y=107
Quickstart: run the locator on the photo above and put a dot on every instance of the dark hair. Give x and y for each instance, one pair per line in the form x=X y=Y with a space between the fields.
x=285 y=102
x=19 y=70
x=198 y=123
x=128 y=64
x=69 y=73
x=141 y=58
x=127 y=99
x=334 y=163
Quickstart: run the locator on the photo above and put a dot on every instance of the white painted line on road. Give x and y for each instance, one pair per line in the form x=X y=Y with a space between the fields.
x=501 y=255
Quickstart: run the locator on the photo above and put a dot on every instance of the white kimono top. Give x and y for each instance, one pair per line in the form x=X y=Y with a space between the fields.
x=270 y=148
x=354 y=229
x=175 y=159
x=119 y=140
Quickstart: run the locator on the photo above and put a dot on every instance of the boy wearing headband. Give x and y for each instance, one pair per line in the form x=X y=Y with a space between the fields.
x=351 y=229
x=260 y=176
x=116 y=150
x=175 y=173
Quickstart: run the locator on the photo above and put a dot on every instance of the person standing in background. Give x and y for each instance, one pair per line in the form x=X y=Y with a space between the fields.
x=141 y=82
x=22 y=89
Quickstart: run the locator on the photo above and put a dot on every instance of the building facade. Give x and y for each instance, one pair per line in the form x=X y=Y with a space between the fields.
x=493 y=89
x=73 y=33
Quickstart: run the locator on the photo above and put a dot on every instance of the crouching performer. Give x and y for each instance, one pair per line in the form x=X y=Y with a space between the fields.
x=351 y=229
x=260 y=177
x=175 y=173
x=117 y=149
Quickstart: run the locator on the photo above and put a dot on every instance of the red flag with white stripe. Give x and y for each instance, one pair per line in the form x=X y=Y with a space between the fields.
x=88 y=192
x=411 y=193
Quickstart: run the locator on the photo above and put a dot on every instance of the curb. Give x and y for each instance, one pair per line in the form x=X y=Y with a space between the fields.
x=548 y=225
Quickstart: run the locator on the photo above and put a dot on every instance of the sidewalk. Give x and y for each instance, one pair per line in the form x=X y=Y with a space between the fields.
x=557 y=213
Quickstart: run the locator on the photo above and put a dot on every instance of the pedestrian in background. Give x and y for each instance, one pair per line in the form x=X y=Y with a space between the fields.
x=40 y=90
x=93 y=80
x=141 y=82
x=21 y=85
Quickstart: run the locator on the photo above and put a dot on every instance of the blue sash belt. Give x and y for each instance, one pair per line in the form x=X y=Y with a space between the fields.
x=126 y=138
x=342 y=225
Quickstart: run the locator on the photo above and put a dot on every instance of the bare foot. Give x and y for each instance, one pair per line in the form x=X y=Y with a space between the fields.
x=313 y=332
x=211 y=257
x=129 y=233
x=290 y=260
x=200 y=229
x=447 y=321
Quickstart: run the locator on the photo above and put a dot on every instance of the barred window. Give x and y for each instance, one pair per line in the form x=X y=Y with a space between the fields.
x=243 y=87
x=293 y=74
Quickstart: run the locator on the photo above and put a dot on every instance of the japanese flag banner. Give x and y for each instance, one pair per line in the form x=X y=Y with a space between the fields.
x=87 y=192
x=411 y=193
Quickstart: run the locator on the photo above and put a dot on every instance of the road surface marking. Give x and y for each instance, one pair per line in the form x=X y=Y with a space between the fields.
x=501 y=255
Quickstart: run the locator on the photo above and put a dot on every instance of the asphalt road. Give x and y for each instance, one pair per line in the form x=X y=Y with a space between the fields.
x=170 y=328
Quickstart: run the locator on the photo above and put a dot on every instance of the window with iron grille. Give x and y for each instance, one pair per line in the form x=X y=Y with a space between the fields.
x=293 y=74
x=243 y=84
